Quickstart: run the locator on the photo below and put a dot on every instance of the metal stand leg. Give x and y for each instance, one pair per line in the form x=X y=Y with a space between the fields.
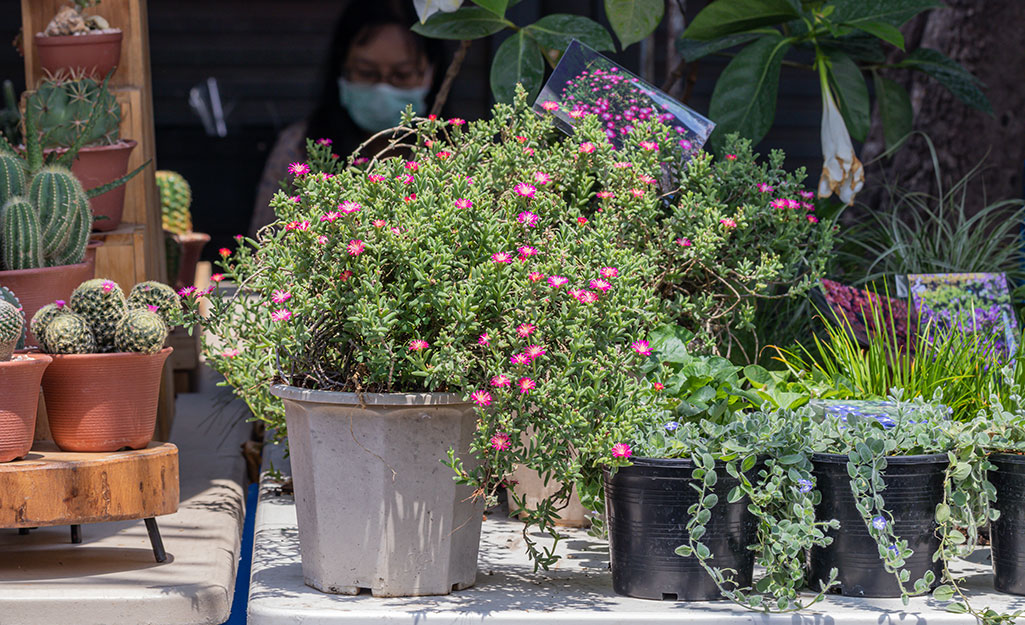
x=76 y=534
x=154 y=539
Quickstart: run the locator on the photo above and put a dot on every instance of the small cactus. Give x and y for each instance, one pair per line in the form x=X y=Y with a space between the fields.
x=140 y=331
x=20 y=237
x=8 y=296
x=69 y=333
x=41 y=320
x=175 y=200
x=61 y=203
x=12 y=177
x=63 y=108
x=102 y=304
x=156 y=297
x=12 y=325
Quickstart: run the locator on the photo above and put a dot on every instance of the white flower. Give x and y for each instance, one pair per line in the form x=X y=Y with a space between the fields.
x=427 y=8
x=842 y=172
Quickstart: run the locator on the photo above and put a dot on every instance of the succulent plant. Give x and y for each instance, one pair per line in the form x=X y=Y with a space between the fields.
x=141 y=331
x=21 y=244
x=175 y=200
x=8 y=296
x=12 y=177
x=64 y=214
x=41 y=320
x=102 y=304
x=69 y=333
x=12 y=327
x=63 y=108
x=156 y=297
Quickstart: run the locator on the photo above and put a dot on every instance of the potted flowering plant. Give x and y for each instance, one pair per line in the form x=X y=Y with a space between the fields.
x=75 y=40
x=19 y=382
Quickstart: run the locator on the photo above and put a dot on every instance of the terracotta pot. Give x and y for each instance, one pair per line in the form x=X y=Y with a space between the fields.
x=103 y=402
x=36 y=288
x=97 y=54
x=19 y=397
x=191 y=245
x=95 y=166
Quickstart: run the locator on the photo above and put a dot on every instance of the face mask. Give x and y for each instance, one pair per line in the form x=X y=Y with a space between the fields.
x=379 y=106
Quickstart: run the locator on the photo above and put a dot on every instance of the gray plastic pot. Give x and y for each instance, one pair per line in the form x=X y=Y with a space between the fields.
x=376 y=507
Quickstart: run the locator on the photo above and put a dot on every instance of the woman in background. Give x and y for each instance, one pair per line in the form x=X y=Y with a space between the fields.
x=375 y=67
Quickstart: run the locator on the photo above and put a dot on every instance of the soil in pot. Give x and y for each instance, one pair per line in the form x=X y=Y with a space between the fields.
x=103 y=402
x=646 y=512
x=1007 y=533
x=19 y=398
x=914 y=485
x=94 y=53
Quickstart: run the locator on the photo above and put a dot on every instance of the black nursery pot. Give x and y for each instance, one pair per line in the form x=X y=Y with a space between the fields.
x=914 y=485
x=1007 y=533
x=646 y=508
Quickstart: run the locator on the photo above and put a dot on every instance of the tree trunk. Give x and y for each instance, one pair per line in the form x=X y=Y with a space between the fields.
x=986 y=37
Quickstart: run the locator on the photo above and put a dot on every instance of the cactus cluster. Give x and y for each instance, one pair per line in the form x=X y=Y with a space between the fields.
x=99 y=319
x=175 y=200
x=63 y=109
x=12 y=325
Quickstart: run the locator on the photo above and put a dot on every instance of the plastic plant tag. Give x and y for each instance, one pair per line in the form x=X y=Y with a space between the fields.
x=973 y=302
x=587 y=83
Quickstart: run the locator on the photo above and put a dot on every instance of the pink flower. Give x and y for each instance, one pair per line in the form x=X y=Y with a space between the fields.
x=534 y=276
x=296 y=199
x=525 y=329
x=765 y=187
x=322 y=240
x=576 y=114
x=731 y=157
x=587 y=147
x=281 y=314
x=793 y=204
x=349 y=207
x=600 y=285
x=355 y=247
x=418 y=344
x=575 y=293
x=500 y=441
x=375 y=177
x=230 y=353
x=323 y=141
x=621 y=450
x=806 y=194
x=501 y=257
x=457 y=121
x=526 y=190
x=604 y=194
x=586 y=297
x=609 y=272
x=409 y=198
x=637 y=192
x=650 y=146
x=443 y=154
x=548 y=105
x=345 y=275
x=528 y=218
x=646 y=179
x=153 y=308
x=778 y=203
x=280 y=297
x=728 y=222
x=641 y=347
x=61 y=303
x=217 y=277
x=622 y=164
x=483 y=339
x=500 y=380
x=807 y=206
x=658 y=386
x=362 y=160
x=330 y=217
x=526 y=385
x=519 y=359
x=379 y=223
x=224 y=252
x=299 y=169
x=812 y=218
x=108 y=286
x=412 y=165
x=557 y=281
x=581 y=220
x=526 y=250
x=533 y=352
x=185 y=291
x=528 y=151
x=481 y=398
x=463 y=203
x=405 y=178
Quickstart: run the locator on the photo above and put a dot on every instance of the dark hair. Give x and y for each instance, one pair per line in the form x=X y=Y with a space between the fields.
x=359 y=21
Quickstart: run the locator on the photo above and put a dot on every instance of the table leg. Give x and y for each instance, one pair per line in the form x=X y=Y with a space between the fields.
x=76 y=534
x=155 y=541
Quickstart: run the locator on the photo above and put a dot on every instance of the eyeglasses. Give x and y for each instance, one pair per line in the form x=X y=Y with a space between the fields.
x=404 y=78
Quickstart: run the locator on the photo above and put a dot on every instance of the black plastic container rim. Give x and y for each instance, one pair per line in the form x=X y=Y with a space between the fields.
x=671 y=463
x=1008 y=458
x=917 y=459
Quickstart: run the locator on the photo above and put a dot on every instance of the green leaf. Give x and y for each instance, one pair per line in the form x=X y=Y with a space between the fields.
x=943 y=593
x=684 y=550
x=893 y=12
x=886 y=32
x=466 y=23
x=851 y=94
x=942 y=512
x=744 y=99
x=957 y=608
x=518 y=60
x=894 y=108
x=557 y=31
x=702 y=551
x=495 y=6
x=694 y=49
x=758 y=376
x=951 y=75
x=633 y=20
x=791 y=459
x=728 y=17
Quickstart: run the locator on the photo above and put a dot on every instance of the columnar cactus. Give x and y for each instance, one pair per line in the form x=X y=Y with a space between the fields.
x=20 y=237
x=41 y=320
x=156 y=297
x=64 y=213
x=12 y=324
x=140 y=331
x=12 y=177
x=175 y=200
x=8 y=296
x=102 y=304
x=69 y=333
x=63 y=107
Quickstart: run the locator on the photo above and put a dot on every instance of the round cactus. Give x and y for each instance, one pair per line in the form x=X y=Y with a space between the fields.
x=159 y=298
x=69 y=334
x=8 y=296
x=175 y=200
x=63 y=105
x=102 y=304
x=12 y=325
x=140 y=331
x=41 y=320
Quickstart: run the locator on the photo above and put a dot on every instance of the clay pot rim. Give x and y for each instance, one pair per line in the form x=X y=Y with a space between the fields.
x=83 y=39
x=35 y=359
x=26 y=272
x=109 y=356
x=295 y=393
x=190 y=236
x=122 y=144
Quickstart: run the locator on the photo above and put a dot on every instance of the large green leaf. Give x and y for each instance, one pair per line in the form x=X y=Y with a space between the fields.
x=518 y=60
x=894 y=108
x=466 y=23
x=894 y=12
x=557 y=31
x=633 y=20
x=851 y=94
x=744 y=99
x=495 y=6
x=693 y=49
x=951 y=75
x=728 y=17
x=884 y=31
x=858 y=45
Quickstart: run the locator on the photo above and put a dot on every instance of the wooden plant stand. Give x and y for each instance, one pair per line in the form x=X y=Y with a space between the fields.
x=51 y=487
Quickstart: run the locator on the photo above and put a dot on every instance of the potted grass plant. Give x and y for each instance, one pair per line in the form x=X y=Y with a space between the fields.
x=76 y=40
x=19 y=382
